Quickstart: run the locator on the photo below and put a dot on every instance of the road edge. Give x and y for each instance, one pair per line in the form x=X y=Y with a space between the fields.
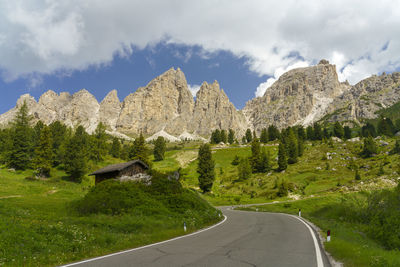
x=147 y=246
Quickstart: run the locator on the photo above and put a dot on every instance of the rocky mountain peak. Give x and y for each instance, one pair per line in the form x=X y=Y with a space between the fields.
x=299 y=96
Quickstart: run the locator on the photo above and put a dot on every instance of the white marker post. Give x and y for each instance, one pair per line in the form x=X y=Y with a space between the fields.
x=184 y=226
x=299 y=212
x=328 y=236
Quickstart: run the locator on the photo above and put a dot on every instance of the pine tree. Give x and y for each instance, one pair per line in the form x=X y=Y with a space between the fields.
x=249 y=136
x=224 y=137
x=231 y=136
x=59 y=138
x=300 y=147
x=301 y=133
x=115 y=148
x=282 y=161
x=254 y=134
x=385 y=126
x=244 y=169
x=255 y=155
x=310 y=133
x=325 y=133
x=264 y=136
x=317 y=131
x=273 y=133
x=264 y=164
x=19 y=156
x=76 y=155
x=43 y=153
x=159 y=148
x=99 y=143
x=368 y=130
x=292 y=148
x=125 y=152
x=37 y=129
x=338 y=130
x=205 y=168
x=215 y=137
x=347 y=132
x=139 y=150
x=369 y=147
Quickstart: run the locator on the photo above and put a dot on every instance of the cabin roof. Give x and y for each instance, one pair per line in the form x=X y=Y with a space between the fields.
x=119 y=167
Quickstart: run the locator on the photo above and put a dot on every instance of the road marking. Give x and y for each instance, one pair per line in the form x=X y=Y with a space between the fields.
x=320 y=262
x=147 y=246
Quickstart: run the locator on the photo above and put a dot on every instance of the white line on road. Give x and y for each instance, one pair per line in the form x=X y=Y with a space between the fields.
x=147 y=246
x=320 y=262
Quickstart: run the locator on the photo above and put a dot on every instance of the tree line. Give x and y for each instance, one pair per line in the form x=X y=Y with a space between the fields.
x=43 y=147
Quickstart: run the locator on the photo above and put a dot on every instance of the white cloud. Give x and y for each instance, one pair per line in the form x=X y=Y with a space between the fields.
x=47 y=36
x=194 y=88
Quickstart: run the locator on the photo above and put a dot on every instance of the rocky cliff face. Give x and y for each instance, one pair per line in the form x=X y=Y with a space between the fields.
x=164 y=104
x=166 y=107
x=365 y=98
x=299 y=96
x=213 y=110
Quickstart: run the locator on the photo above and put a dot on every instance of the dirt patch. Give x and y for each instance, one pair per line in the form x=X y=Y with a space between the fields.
x=185 y=157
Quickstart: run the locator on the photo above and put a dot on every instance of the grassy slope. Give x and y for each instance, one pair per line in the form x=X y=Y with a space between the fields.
x=349 y=244
x=306 y=178
x=37 y=226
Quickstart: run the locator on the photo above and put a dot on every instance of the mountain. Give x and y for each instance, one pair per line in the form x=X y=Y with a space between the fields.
x=365 y=99
x=165 y=106
x=299 y=96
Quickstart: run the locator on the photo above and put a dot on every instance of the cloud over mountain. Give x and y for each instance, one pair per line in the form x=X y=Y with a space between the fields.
x=47 y=36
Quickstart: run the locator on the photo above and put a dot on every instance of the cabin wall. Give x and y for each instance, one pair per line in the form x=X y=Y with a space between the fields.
x=105 y=176
x=132 y=170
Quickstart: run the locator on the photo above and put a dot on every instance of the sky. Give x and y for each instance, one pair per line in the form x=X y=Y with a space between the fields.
x=244 y=45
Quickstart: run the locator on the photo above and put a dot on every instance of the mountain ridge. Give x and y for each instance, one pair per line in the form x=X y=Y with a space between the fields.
x=165 y=104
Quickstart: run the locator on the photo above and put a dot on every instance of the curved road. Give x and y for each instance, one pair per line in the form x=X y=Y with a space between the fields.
x=244 y=239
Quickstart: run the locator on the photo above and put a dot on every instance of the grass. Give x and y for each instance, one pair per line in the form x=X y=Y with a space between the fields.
x=39 y=227
x=349 y=243
x=310 y=176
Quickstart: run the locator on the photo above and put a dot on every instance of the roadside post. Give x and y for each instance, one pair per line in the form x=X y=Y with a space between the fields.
x=184 y=226
x=299 y=212
x=328 y=236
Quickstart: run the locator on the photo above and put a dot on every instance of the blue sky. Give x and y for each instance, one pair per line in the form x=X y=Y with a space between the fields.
x=128 y=73
x=245 y=45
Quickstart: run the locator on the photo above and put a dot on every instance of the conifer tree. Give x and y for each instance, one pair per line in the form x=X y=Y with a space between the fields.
x=215 y=136
x=301 y=133
x=254 y=134
x=43 y=153
x=244 y=169
x=368 y=130
x=282 y=160
x=273 y=133
x=139 y=150
x=317 y=131
x=76 y=155
x=159 y=148
x=224 y=137
x=59 y=138
x=310 y=133
x=255 y=154
x=205 y=168
x=37 y=129
x=385 y=126
x=99 y=140
x=369 y=147
x=125 y=152
x=264 y=136
x=243 y=139
x=326 y=134
x=264 y=164
x=231 y=136
x=19 y=156
x=338 y=130
x=347 y=132
x=115 y=148
x=300 y=147
x=292 y=147
x=249 y=136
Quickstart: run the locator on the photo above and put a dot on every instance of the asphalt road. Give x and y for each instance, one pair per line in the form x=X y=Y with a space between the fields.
x=244 y=239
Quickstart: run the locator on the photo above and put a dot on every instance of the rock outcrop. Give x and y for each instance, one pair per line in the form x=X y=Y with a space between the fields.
x=164 y=104
x=299 y=96
x=213 y=110
x=109 y=111
x=365 y=98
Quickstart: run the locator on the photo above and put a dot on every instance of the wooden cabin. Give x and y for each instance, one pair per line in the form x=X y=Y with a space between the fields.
x=115 y=171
